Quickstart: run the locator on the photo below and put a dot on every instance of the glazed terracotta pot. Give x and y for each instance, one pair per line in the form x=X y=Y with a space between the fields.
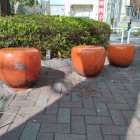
x=121 y=54
x=19 y=67
x=88 y=60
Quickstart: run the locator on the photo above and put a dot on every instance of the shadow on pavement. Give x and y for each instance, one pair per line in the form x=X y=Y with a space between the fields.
x=66 y=106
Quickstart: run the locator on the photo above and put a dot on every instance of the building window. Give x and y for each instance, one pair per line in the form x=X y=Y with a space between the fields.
x=128 y=10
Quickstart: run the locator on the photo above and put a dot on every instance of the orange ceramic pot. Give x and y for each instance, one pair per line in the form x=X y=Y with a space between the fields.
x=19 y=67
x=121 y=55
x=88 y=60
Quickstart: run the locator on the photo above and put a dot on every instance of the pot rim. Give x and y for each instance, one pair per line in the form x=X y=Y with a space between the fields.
x=17 y=49
x=121 y=44
x=88 y=46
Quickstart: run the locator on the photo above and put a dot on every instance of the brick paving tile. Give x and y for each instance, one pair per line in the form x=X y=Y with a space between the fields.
x=69 y=137
x=31 y=110
x=131 y=89
x=66 y=98
x=134 y=103
x=119 y=106
x=30 y=131
x=52 y=109
x=134 y=126
x=102 y=109
x=102 y=85
x=5 y=101
x=129 y=120
x=18 y=124
x=43 y=118
x=3 y=130
x=116 y=91
x=128 y=114
x=76 y=96
x=63 y=115
x=66 y=87
x=55 y=128
x=105 y=93
x=1 y=95
x=111 y=137
x=119 y=98
x=94 y=131
x=136 y=131
x=11 y=136
x=98 y=120
x=104 y=100
x=78 y=125
x=42 y=100
x=133 y=122
x=33 y=94
x=71 y=104
x=45 y=136
x=53 y=98
x=130 y=138
x=117 y=117
x=22 y=103
x=83 y=111
x=120 y=86
x=3 y=91
x=45 y=89
x=115 y=130
x=88 y=102
x=21 y=96
x=97 y=94
x=8 y=117
x=137 y=87
x=136 y=107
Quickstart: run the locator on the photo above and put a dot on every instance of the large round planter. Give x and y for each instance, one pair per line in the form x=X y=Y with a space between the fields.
x=19 y=67
x=121 y=55
x=88 y=60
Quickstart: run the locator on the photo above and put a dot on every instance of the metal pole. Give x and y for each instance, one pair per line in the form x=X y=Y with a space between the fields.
x=128 y=37
x=122 y=33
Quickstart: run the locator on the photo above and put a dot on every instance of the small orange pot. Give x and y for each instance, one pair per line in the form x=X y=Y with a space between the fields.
x=19 y=67
x=121 y=54
x=88 y=60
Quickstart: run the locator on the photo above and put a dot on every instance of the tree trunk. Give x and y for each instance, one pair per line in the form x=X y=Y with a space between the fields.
x=5 y=7
x=15 y=10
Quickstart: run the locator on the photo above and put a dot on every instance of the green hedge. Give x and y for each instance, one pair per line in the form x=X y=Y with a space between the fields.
x=59 y=34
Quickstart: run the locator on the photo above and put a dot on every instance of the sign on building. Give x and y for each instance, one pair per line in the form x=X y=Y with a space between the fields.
x=101 y=10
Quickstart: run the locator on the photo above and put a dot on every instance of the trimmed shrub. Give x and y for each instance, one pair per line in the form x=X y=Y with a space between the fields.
x=58 y=34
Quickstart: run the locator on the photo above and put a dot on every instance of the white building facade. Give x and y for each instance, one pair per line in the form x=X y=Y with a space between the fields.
x=103 y=10
x=93 y=9
x=82 y=8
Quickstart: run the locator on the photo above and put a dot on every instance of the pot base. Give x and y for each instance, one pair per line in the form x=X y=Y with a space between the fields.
x=18 y=89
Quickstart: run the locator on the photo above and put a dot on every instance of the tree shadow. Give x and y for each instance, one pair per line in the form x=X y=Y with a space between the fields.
x=48 y=76
x=65 y=105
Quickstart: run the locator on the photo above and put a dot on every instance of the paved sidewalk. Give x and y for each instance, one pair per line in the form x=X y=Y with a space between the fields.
x=65 y=106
